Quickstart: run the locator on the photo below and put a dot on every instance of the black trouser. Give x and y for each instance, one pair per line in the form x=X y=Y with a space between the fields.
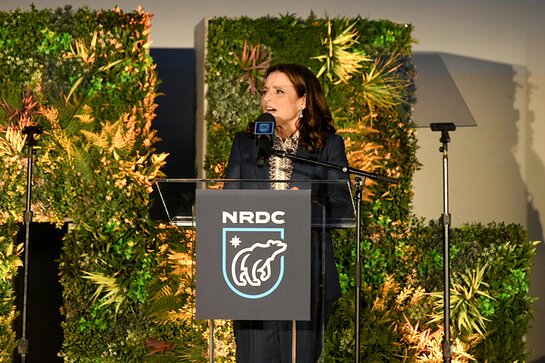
x=271 y=341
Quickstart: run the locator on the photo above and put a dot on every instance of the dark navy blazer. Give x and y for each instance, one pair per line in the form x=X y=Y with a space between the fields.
x=334 y=197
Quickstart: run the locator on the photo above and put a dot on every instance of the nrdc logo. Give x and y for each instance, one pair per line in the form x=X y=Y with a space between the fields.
x=252 y=256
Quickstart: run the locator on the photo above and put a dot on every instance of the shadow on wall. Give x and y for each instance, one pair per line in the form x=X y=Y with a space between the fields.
x=536 y=197
x=484 y=174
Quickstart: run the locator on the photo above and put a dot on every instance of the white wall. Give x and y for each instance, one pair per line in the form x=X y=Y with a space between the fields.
x=496 y=54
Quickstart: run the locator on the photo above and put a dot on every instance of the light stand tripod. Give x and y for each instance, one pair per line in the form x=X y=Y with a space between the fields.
x=30 y=131
x=446 y=220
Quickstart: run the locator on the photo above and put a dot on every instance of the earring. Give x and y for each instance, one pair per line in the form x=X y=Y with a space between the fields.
x=301 y=112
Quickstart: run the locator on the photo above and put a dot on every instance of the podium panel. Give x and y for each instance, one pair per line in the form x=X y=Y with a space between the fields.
x=253 y=254
x=253 y=244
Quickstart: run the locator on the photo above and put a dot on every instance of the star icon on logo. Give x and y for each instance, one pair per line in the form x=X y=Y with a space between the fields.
x=235 y=241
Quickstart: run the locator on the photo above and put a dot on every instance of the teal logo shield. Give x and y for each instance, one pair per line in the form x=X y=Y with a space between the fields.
x=253 y=260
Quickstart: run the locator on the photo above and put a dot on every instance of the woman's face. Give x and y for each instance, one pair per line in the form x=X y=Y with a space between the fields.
x=281 y=100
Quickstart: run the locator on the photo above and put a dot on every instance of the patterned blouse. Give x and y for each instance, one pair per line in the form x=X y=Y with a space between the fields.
x=282 y=168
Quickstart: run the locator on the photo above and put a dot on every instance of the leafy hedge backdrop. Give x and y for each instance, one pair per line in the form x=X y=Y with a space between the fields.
x=128 y=287
x=87 y=78
x=366 y=69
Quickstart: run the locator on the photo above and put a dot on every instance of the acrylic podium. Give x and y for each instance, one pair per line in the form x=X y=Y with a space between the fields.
x=254 y=244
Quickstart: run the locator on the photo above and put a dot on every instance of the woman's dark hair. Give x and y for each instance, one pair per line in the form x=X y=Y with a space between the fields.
x=317 y=121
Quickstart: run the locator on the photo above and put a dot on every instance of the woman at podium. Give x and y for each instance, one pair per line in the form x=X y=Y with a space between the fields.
x=303 y=125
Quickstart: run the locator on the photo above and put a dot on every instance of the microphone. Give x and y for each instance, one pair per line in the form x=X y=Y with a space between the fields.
x=264 y=130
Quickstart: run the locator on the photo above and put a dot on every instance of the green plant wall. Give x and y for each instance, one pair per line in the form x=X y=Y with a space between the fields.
x=128 y=283
x=85 y=77
x=366 y=69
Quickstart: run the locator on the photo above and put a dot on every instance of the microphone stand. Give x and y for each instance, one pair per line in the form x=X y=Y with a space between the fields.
x=344 y=169
x=446 y=220
x=359 y=182
x=30 y=131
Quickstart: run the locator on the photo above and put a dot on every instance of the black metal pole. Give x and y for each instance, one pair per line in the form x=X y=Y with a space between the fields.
x=358 y=191
x=446 y=221
x=359 y=180
x=30 y=131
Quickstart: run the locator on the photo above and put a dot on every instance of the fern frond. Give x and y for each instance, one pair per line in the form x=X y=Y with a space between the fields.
x=82 y=165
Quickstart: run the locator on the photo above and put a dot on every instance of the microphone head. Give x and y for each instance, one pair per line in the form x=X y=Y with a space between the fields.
x=264 y=130
x=264 y=125
x=266 y=117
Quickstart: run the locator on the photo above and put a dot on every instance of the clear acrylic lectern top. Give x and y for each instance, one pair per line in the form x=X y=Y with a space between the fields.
x=332 y=202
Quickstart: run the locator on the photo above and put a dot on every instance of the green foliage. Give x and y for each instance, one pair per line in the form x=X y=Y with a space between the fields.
x=466 y=300
x=128 y=284
x=366 y=69
x=291 y=39
x=178 y=337
x=9 y=262
x=490 y=306
x=105 y=339
x=88 y=79
x=114 y=324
